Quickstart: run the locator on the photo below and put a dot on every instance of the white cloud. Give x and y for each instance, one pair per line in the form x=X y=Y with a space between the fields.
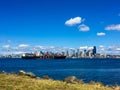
x=83 y=28
x=6 y=46
x=90 y=48
x=113 y=27
x=23 y=46
x=18 y=52
x=101 y=46
x=40 y=47
x=101 y=34
x=83 y=47
x=114 y=49
x=118 y=49
x=86 y=48
x=101 y=49
x=73 y=21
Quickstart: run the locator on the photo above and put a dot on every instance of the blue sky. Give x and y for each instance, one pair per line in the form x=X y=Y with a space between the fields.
x=66 y=23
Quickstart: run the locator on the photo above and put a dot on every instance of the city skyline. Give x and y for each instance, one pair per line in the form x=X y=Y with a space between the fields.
x=60 y=23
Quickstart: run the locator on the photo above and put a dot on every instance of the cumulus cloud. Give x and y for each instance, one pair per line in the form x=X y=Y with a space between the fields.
x=40 y=47
x=113 y=27
x=83 y=47
x=73 y=21
x=90 y=48
x=101 y=34
x=26 y=48
x=86 y=48
x=101 y=49
x=18 y=52
x=118 y=49
x=23 y=46
x=83 y=28
x=101 y=46
x=43 y=47
x=6 y=46
x=114 y=49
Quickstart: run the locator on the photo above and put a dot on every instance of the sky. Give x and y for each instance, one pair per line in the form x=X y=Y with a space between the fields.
x=60 y=23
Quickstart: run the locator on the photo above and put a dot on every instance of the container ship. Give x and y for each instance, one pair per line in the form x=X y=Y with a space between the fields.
x=42 y=56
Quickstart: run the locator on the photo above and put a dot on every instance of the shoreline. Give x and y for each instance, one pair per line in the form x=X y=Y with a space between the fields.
x=67 y=59
x=13 y=81
x=69 y=79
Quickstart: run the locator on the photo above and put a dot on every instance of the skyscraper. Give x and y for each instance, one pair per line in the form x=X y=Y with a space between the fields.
x=94 y=51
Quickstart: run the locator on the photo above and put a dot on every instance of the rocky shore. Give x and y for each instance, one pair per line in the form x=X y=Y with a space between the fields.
x=29 y=81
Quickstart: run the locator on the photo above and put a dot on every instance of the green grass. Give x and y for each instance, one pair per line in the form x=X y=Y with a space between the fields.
x=15 y=82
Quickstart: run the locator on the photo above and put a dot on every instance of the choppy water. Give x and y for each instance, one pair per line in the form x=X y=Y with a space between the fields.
x=106 y=71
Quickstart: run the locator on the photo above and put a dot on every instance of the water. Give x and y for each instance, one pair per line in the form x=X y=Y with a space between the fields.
x=106 y=71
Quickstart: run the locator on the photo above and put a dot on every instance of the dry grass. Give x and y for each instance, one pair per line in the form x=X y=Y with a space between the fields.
x=15 y=82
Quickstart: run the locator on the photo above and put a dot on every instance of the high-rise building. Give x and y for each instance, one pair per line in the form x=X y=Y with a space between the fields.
x=94 y=51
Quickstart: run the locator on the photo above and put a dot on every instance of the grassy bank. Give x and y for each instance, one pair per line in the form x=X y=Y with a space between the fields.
x=16 y=82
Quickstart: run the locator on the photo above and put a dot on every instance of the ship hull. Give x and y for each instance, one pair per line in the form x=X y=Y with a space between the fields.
x=59 y=57
x=42 y=58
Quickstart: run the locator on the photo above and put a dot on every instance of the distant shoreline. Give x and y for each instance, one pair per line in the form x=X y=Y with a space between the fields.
x=63 y=59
